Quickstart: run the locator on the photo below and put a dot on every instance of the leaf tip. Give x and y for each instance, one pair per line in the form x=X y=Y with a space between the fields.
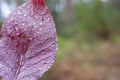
x=39 y=2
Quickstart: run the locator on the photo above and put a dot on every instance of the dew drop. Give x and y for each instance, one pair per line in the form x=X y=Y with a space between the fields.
x=28 y=68
x=34 y=23
x=35 y=34
x=30 y=38
x=29 y=24
x=11 y=57
x=9 y=69
x=38 y=32
x=23 y=19
x=42 y=61
x=19 y=13
x=40 y=23
x=48 y=67
x=7 y=61
x=31 y=14
x=40 y=29
x=25 y=15
x=23 y=67
x=1 y=66
x=25 y=29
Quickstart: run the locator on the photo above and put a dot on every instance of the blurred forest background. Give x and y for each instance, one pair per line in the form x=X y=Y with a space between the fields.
x=89 y=38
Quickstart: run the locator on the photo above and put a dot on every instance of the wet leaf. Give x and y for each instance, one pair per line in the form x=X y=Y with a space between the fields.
x=29 y=42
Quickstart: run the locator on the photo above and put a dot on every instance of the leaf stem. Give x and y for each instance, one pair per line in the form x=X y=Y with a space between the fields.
x=22 y=61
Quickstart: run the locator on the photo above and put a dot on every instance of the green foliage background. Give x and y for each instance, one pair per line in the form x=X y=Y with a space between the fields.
x=89 y=40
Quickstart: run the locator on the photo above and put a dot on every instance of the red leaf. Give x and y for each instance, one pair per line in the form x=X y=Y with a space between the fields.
x=28 y=44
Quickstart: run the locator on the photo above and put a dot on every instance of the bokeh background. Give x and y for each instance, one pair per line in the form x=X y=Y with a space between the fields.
x=89 y=38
